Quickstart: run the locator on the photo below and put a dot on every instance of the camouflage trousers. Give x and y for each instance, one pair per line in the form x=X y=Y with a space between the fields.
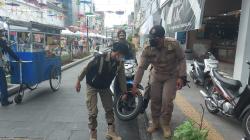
x=162 y=95
x=107 y=103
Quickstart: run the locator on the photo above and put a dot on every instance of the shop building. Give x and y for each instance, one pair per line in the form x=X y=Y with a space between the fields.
x=221 y=27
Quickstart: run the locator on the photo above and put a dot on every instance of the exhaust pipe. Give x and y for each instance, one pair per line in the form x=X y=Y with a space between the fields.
x=204 y=94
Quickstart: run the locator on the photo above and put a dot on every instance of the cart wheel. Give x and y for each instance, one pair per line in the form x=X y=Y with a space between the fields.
x=55 y=78
x=18 y=99
x=31 y=87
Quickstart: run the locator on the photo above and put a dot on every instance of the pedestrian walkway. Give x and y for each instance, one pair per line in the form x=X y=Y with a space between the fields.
x=188 y=105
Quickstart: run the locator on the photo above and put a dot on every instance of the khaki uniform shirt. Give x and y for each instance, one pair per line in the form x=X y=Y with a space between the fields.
x=120 y=72
x=168 y=60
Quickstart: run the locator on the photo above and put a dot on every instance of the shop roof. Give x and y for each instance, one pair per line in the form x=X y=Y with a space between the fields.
x=37 y=27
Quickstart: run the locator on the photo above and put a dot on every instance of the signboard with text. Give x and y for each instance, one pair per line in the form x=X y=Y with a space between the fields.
x=182 y=15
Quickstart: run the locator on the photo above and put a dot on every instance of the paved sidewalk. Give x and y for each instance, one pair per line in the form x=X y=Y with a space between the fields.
x=187 y=105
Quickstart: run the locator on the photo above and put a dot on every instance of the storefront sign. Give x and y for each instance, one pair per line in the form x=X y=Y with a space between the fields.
x=182 y=15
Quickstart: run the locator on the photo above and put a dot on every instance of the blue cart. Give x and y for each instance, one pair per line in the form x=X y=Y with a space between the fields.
x=40 y=57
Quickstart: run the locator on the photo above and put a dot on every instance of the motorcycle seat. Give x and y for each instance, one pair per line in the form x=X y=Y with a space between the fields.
x=231 y=84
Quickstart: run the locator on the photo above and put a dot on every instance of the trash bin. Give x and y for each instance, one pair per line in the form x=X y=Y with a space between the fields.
x=189 y=54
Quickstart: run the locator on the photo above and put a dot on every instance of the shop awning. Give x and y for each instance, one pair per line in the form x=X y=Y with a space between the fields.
x=78 y=33
x=67 y=32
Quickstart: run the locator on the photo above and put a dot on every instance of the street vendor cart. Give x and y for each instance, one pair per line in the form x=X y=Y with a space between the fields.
x=38 y=47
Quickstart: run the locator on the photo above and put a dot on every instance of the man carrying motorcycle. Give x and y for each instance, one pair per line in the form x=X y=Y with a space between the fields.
x=4 y=49
x=100 y=73
x=121 y=35
x=167 y=76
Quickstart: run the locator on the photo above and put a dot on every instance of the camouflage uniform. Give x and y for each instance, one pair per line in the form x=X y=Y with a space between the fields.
x=168 y=64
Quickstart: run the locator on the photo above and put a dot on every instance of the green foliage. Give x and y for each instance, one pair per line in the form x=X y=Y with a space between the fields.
x=187 y=131
x=129 y=39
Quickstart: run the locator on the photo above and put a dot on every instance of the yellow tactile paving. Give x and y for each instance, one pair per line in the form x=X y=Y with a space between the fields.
x=190 y=112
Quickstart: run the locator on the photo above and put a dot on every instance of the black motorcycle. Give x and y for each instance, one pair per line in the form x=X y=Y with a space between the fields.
x=224 y=96
x=128 y=108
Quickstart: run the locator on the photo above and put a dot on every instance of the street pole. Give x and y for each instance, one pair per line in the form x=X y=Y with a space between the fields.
x=106 y=37
x=87 y=33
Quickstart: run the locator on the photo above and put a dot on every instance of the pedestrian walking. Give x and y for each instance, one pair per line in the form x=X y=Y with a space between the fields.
x=3 y=83
x=80 y=43
x=167 y=76
x=100 y=73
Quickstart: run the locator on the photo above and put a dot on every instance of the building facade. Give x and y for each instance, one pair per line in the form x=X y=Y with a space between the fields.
x=42 y=11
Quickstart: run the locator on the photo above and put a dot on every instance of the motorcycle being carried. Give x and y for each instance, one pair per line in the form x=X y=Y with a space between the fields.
x=200 y=70
x=224 y=96
x=129 y=108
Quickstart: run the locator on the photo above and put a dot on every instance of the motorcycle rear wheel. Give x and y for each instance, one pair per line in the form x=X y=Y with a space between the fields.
x=246 y=124
x=133 y=114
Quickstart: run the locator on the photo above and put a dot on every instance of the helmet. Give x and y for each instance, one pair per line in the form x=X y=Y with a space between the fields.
x=120 y=47
x=121 y=34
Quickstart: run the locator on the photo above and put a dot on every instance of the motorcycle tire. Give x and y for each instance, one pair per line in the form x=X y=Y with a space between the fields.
x=246 y=124
x=133 y=114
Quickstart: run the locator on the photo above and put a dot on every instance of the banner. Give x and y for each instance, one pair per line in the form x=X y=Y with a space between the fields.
x=182 y=15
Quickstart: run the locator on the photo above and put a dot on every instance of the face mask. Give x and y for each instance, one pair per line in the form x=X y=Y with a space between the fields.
x=153 y=43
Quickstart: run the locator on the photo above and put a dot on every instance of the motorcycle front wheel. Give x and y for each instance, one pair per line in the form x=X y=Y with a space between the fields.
x=246 y=124
x=128 y=109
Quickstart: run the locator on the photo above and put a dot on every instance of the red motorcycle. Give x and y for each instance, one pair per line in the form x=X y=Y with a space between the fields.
x=224 y=96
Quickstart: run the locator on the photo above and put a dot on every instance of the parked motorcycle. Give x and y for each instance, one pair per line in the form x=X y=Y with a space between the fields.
x=200 y=70
x=128 y=108
x=224 y=96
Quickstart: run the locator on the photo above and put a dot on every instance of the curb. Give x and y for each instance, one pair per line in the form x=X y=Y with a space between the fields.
x=12 y=90
x=67 y=66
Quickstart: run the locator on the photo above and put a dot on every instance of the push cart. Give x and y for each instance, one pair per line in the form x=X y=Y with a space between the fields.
x=39 y=59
